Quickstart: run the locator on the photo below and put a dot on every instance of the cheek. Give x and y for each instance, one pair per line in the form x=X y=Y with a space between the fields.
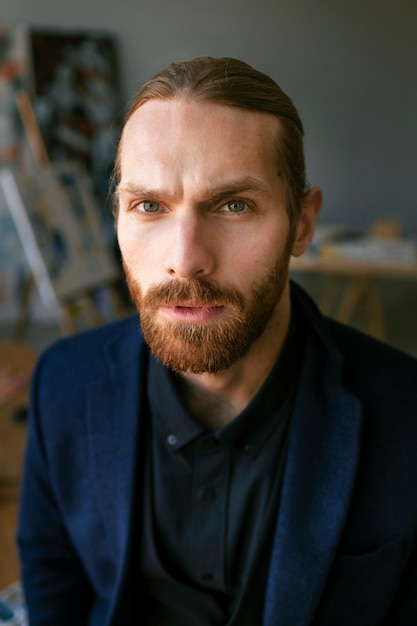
x=249 y=268
x=131 y=251
x=131 y=244
x=264 y=252
x=140 y=263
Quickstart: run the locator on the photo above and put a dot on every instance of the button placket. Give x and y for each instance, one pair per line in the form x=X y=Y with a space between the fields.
x=209 y=514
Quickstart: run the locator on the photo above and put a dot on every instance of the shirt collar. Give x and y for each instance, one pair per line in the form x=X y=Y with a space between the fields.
x=268 y=409
x=176 y=426
x=248 y=431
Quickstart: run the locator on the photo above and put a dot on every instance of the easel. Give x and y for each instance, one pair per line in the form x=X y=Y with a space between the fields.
x=81 y=303
x=70 y=309
x=85 y=305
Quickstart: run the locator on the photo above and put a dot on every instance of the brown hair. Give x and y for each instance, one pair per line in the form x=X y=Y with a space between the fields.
x=234 y=83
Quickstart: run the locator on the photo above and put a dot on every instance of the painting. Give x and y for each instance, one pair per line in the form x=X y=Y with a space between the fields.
x=13 y=265
x=13 y=77
x=13 y=74
x=60 y=228
x=76 y=98
x=72 y=82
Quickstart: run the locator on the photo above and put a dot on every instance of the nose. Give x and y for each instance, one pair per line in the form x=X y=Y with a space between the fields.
x=190 y=252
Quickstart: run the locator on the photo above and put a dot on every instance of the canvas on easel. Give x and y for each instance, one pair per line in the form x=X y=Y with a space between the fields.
x=59 y=226
x=68 y=101
x=75 y=93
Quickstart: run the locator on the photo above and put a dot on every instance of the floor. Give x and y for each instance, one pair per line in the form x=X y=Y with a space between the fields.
x=9 y=569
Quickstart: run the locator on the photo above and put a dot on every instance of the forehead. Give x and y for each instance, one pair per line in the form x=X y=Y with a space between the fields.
x=185 y=129
x=182 y=107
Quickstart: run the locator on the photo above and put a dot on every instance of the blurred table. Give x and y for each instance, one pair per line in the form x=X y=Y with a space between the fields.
x=354 y=287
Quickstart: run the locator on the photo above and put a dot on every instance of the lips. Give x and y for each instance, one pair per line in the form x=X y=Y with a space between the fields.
x=190 y=313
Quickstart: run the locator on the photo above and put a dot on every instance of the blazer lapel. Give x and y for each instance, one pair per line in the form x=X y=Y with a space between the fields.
x=320 y=470
x=113 y=417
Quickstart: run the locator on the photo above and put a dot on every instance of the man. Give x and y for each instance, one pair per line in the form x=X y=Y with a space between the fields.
x=257 y=465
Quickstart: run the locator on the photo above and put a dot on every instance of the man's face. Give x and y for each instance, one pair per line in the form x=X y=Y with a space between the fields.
x=203 y=230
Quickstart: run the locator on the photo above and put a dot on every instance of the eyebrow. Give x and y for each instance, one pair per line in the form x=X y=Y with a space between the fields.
x=213 y=195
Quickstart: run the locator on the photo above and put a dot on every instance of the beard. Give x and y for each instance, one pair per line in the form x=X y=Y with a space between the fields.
x=215 y=345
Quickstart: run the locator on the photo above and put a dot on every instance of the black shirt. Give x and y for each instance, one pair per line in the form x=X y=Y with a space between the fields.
x=210 y=501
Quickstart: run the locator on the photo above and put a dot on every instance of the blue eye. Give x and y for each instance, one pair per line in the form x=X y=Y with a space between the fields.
x=236 y=206
x=148 y=206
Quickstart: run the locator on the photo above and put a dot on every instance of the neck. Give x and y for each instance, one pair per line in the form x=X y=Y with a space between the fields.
x=216 y=399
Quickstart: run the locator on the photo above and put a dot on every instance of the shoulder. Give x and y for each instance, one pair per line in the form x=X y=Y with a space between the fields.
x=371 y=368
x=354 y=345
x=89 y=354
x=372 y=365
x=354 y=342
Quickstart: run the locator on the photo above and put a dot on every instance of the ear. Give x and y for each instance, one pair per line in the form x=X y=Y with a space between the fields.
x=310 y=208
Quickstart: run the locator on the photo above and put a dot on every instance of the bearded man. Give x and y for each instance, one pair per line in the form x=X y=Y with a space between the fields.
x=229 y=457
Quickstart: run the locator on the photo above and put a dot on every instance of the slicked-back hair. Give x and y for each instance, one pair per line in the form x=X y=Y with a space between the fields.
x=232 y=82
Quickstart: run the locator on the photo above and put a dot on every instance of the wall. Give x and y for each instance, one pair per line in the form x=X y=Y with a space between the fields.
x=351 y=69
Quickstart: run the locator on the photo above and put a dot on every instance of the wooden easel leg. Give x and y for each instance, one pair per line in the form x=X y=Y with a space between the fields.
x=330 y=294
x=376 y=320
x=116 y=301
x=90 y=310
x=66 y=320
x=365 y=290
x=351 y=298
x=25 y=300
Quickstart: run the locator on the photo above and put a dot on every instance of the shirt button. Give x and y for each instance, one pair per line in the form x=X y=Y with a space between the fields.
x=248 y=448
x=172 y=440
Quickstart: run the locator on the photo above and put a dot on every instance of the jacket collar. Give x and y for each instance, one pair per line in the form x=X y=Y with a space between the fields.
x=320 y=470
x=113 y=406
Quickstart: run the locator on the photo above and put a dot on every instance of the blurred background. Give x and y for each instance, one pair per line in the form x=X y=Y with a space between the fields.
x=67 y=72
x=350 y=68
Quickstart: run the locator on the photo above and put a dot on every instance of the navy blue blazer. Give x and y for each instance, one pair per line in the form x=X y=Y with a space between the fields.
x=345 y=542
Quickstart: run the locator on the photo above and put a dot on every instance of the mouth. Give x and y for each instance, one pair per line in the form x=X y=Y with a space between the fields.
x=188 y=313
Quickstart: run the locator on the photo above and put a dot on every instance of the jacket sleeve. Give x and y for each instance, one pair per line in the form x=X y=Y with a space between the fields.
x=55 y=584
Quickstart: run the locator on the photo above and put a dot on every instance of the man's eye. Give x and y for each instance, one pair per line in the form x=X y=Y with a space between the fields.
x=236 y=206
x=148 y=206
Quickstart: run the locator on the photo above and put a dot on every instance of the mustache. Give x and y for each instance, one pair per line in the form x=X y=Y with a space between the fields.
x=200 y=291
